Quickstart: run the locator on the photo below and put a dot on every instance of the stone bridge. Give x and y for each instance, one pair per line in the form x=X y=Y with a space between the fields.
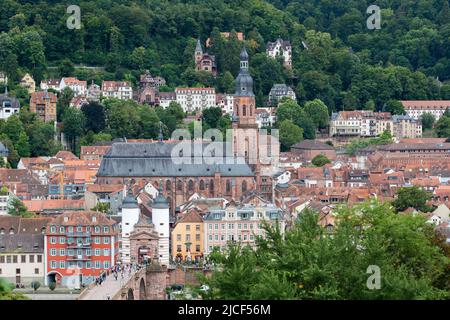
x=148 y=283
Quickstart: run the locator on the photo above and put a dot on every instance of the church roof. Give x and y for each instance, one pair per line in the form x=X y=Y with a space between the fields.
x=155 y=160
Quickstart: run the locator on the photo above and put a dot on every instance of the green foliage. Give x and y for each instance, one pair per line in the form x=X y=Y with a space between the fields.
x=320 y=160
x=290 y=110
x=443 y=126
x=73 y=122
x=357 y=144
x=101 y=207
x=308 y=262
x=52 y=285
x=17 y=208
x=428 y=120
x=6 y=291
x=394 y=107
x=290 y=134
x=412 y=197
x=35 y=285
x=95 y=116
x=318 y=112
x=399 y=61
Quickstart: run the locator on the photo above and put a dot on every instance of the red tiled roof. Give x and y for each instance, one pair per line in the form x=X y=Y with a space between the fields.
x=426 y=104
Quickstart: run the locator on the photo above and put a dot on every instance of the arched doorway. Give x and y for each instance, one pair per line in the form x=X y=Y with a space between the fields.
x=144 y=254
x=54 y=276
x=142 y=292
x=130 y=294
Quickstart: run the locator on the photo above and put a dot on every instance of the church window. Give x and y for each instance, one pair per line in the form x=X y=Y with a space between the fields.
x=228 y=186
x=211 y=186
x=180 y=185
x=244 y=186
x=168 y=185
x=191 y=186
x=202 y=185
x=244 y=111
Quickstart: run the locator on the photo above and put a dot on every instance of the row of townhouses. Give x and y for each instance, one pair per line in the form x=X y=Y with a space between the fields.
x=371 y=124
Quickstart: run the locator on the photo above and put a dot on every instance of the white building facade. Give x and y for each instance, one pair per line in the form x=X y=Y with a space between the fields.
x=416 y=108
x=241 y=224
x=195 y=99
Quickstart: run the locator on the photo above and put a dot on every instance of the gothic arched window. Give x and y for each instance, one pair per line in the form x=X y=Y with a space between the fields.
x=211 y=186
x=168 y=185
x=244 y=186
x=180 y=185
x=202 y=185
x=191 y=186
x=244 y=111
x=228 y=186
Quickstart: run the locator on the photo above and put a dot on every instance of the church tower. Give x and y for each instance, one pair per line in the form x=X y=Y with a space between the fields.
x=160 y=218
x=244 y=98
x=198 y=55
x=245 y=128
x=130 y=212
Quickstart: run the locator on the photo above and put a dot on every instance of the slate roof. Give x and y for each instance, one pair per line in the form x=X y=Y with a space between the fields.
x=312 y=145
x=14 y=102
x=154 y=160
x=21 y=243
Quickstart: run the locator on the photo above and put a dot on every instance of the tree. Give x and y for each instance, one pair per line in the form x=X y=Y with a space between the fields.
x=290 y=134
x=52 y=285
x=442 y=127
x=63 y=102
x=309 y=261
x=175 y=109
x=73 y=126
x=122 y=118
x=66 y=68
x=211 y=116
x=6 y=291
x=369 y=105
x=412 y=197
x=428 y=120
x=318 y=112
x=101 y=207
x=17 y=208
x=94 y=113
x=394 y=107
x=35 y=285
x=320 y=160
x=23 y=146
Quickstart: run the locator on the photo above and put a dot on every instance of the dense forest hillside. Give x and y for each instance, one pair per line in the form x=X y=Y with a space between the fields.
x=344 y=64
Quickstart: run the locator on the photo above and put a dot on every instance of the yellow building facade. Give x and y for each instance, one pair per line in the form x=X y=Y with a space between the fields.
x=187 y=238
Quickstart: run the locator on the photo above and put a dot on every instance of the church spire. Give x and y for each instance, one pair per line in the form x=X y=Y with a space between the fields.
x=244 y=81
x=244 y=59
x=198 y=47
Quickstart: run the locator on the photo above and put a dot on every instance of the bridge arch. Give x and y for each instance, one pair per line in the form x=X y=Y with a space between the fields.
x=130 y=294
x=142 y=290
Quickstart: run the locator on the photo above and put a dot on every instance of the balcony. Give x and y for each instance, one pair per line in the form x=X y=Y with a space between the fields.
x=78 y=258
x=78 y=245
x=78 y=234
